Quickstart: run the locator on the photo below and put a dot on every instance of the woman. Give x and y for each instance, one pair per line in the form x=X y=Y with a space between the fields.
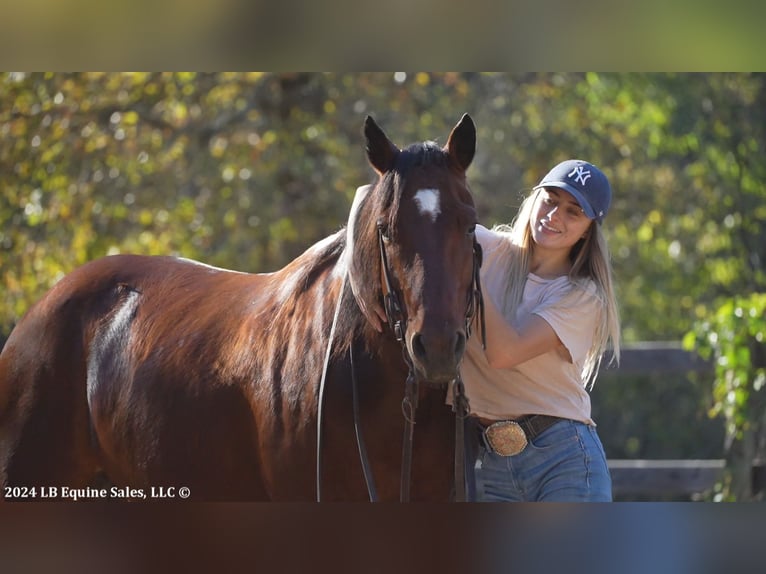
x=550 y=314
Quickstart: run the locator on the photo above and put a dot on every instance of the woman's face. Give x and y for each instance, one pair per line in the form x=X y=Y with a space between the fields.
x=558 y=221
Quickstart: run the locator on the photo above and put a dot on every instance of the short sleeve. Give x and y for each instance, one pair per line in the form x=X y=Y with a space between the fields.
x=488 y=239
x=574 y=315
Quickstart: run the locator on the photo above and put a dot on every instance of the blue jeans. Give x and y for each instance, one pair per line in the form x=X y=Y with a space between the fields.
x=565 y=463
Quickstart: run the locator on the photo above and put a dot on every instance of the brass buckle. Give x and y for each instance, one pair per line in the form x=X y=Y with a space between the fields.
x=506 y=438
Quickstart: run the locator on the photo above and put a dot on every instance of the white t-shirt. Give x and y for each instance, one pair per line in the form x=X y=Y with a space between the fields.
x=547 y=384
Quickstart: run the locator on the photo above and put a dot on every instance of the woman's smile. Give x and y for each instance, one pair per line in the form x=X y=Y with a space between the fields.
x=547 y=226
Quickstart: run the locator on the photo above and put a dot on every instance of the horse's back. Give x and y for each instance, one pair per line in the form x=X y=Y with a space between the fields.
x=126 y=365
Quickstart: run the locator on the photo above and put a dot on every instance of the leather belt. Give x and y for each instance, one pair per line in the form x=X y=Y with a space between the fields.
x=510 y=437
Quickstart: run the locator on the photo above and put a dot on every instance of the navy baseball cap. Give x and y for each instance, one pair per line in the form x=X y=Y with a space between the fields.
x=585 y=182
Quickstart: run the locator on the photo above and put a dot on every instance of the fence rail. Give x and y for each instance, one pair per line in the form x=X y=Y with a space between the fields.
x=664 y=477
x=657 y=357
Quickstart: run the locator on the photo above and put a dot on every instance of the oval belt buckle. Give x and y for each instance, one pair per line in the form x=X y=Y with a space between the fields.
x=506 y=438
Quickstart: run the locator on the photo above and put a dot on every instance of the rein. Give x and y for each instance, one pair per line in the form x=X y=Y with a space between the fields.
x=460 y=406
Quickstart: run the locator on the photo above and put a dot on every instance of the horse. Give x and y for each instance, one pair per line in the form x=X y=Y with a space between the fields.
x=164 y=375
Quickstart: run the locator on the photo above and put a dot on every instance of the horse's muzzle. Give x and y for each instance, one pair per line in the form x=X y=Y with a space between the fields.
x=436 y=356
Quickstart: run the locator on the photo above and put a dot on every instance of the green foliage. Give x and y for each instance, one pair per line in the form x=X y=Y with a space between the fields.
x=734 y=338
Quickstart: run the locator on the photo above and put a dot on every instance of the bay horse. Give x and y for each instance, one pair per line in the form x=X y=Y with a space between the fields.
x=157 y=372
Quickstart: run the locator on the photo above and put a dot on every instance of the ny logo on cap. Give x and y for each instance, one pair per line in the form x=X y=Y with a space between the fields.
x=580 y=174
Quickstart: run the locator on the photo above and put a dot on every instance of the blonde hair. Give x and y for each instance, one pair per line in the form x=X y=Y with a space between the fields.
x=590 y=262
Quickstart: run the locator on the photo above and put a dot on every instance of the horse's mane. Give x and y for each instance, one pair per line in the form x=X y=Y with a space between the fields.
x=297 y=278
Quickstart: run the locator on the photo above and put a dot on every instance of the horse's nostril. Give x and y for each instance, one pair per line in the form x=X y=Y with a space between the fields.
x=451 y=348
x=418 y=348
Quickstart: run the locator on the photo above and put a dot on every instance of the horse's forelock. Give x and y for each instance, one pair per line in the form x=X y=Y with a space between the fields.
x=392 y=183
x=421 y=154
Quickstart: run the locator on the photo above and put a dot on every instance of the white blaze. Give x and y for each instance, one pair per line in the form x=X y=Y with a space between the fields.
x=428 y=202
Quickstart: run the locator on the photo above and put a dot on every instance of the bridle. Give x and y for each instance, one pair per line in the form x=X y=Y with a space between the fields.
x=397 y=323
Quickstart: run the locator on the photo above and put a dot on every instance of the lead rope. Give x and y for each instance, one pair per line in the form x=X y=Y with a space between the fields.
x=369 y=479
x=409 y=407
x=461 y=409
x=320 y=402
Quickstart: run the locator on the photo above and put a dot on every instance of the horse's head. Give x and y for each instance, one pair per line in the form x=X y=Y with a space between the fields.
x=412 y=245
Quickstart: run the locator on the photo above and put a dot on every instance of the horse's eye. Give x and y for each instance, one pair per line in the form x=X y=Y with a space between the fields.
x=472 y=229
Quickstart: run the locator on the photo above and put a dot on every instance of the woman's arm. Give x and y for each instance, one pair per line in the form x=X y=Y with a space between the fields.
x=508 y=347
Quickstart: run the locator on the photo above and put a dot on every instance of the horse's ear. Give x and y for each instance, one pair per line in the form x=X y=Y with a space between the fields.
x=461 y=144
x=380 y=151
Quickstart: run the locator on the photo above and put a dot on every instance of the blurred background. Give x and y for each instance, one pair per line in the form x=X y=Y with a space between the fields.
x=691 y=35
x=246 y=170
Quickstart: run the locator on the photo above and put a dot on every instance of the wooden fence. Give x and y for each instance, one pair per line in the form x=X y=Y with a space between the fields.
x=646 y=478
x=663 y=478
x=667 y=357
